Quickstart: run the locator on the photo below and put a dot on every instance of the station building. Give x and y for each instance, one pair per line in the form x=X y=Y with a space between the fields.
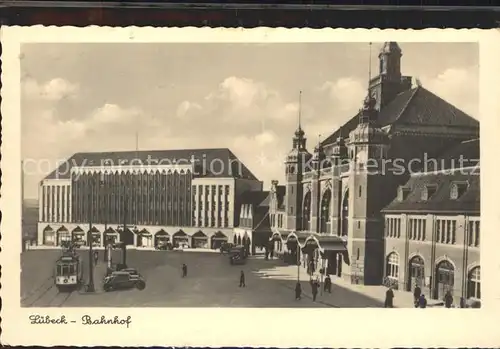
x=141 y=197
x=356 y=205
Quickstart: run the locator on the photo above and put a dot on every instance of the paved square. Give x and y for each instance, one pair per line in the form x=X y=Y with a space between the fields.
x=211 y=282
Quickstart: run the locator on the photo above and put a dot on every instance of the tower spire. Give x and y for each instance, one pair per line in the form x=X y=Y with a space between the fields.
x=300 y=110
x=370 y=66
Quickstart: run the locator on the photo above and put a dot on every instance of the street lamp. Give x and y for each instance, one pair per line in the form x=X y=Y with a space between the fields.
x=90 y=238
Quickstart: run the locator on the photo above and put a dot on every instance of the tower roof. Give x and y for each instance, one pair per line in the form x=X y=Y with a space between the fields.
x=390 y=47
x=417 y=106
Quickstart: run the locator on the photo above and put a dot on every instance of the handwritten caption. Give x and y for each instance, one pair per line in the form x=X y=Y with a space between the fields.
x=36 y=319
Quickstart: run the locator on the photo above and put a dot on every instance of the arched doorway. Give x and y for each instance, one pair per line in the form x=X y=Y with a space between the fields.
x=392 y=270
x=126 y=237
x=325 y=211
x=49 y=236
x=445 y=279
x=180 y=239
x=239 y=240
x=416 y=275
x=200 y=240
x=96 y=236
x=306 y=212
x=311 y=249
x=78 y=236
x=162 y=238
x=345 y=214
x=474 y=283
x=235 y=240
x=144 y=238
x=217 y=240
x=292 y=254
x=63 y=237
x=110 y=236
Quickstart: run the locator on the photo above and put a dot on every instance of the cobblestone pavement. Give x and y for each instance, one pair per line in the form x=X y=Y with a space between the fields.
x=211 y=282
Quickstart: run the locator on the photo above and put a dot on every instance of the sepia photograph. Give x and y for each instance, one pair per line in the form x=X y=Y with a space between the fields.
x=215 y=175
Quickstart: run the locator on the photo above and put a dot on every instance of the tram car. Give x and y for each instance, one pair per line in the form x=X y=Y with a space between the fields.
x=68 y=272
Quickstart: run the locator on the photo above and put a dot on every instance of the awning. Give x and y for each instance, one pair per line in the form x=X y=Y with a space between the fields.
x=219 y=238
x=334 y=247
x=79 y=232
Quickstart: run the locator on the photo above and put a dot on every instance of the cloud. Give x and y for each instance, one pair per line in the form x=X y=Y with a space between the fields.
x=187 y=108
x=53 y=90
x=346 y=93
x=458 y=86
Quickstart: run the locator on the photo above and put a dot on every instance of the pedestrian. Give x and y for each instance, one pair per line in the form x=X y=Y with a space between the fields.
x=314 y=287
x=422 y=302
x=416 y=295
x=184 y=270
x=96 y=257
x=298 y=291
x=448 y=299
x=242 y=279
x=328 y=284
x=389 y=297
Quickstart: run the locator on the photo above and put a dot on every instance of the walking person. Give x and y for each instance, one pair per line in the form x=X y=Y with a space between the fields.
x=314 y=288
x=184 y=270
x=242 y=279
x=448 y=299
x=298 y=291
x=328 y=284
x=389 y=298
x=96 y=257
x=416 y=295
x=422 y=302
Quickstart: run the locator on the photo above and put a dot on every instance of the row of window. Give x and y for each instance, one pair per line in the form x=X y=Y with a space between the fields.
x=457 y=189
x=444 y=275
x=165 y=200
x=277 y=223
x=445 y=230
x=56 y=201
x=205 y=211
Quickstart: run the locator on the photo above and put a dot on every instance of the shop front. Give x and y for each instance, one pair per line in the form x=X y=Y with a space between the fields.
x=217 y=240
x=181 y=239
x=200 y=240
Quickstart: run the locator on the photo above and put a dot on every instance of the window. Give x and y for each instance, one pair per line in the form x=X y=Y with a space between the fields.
x=403 y=193
x=474 y=283
x=392 y=270
x=458 y=189
x=428 y=191
x=446 y=231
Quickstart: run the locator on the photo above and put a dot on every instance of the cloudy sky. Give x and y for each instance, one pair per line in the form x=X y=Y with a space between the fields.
x=93 y=97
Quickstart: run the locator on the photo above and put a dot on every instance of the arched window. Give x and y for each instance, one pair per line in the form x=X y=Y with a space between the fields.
x=445 y=278
x=474 y=283
x=392 y=267
x=325 y=210
x=306 y=212
x=345 y=214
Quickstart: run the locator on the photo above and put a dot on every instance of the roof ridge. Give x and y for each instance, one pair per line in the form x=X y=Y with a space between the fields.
x=407 y=103
x=149 y=150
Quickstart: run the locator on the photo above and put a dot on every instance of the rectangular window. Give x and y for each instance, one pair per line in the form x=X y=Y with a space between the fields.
x=477 y=235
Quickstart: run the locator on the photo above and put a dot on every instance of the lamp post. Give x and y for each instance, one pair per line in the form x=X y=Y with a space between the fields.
x=90 y=239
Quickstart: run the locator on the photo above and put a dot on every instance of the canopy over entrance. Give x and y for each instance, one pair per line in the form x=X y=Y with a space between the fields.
x=219 y=236
x=144 y=232
x=162 y=233
x=180 y=235
x=78 y=231
x=199 y=235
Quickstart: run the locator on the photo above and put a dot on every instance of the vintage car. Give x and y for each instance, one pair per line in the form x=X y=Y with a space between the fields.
x=122 y=280
x=237 y=255
x=226 y=247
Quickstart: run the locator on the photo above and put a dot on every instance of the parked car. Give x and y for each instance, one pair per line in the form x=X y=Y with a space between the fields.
x=226 y=247
x=122 y=280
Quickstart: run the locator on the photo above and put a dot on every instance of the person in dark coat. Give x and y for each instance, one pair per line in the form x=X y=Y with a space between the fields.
x=448 y=299
x=389 y=297
x=314 y=289
x=328 y=284
x=422 y=302
x=96 y=257
x=242 y=279
x=416 y=295
x=184 y=270
x=298 y=291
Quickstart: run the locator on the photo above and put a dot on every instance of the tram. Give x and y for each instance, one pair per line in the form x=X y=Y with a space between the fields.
x=68 y=272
